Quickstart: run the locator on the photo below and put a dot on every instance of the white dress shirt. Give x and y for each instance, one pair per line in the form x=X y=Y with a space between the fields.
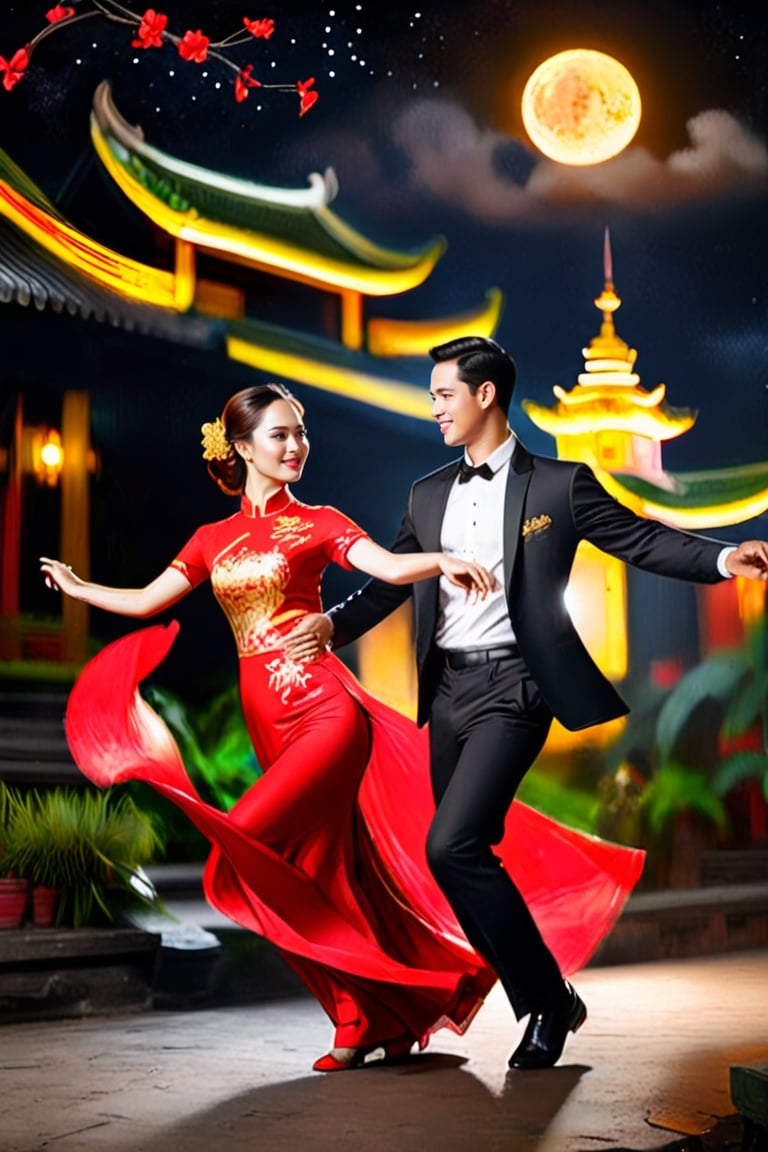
x=473 y=528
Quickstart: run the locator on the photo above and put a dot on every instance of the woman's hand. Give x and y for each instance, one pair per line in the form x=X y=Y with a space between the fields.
x=60 y=576
x=477 y=580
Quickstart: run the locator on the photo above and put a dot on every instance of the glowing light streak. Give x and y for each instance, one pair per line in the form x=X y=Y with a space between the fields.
x=123 y=275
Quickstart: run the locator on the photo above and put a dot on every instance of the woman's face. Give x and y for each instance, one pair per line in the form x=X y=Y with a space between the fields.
x=278 y=447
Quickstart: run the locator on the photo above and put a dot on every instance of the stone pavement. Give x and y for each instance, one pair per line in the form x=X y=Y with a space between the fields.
x=649 y=1070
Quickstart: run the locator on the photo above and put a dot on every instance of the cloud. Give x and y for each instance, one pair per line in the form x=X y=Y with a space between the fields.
x=722 y=152
x=454 y=160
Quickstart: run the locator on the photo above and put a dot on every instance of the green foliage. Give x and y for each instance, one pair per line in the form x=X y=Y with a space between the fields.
x=569 y=805
x=735 y=683
x=716 y=680
x=213 y=742
x=636 y=744
x=739 y=769
x=4 y=865
x=617 y=812
x=675 y=788
x=674 y=749
x=89 y=844
x=182 y=841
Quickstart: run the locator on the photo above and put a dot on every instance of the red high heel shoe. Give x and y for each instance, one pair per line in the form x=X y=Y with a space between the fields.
x=342 y=1059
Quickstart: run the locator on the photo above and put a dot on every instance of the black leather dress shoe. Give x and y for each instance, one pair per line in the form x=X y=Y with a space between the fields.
x=544 y=1038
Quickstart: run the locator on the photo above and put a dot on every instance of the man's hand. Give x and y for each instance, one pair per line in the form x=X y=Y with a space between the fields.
x=750 y=559
x=309 y=639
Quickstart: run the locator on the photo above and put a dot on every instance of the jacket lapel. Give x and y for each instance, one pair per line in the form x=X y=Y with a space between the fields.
x=521 y=469
x=435 y=509
x=428 y=521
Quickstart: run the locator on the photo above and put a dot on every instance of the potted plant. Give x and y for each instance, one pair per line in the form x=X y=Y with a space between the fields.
x=87 y=845
x=14 y=890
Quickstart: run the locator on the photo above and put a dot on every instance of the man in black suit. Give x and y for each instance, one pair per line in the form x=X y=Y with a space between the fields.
x=492 y=673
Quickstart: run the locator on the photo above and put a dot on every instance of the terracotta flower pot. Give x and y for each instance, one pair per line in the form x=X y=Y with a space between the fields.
x=45 y=902
x=14 y=894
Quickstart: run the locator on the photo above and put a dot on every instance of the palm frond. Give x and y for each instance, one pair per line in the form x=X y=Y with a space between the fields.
x=747 y=707
x=740 y=768
x=716 y=679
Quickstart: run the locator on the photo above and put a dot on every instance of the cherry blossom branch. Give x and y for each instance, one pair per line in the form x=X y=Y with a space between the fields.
x=152 y=32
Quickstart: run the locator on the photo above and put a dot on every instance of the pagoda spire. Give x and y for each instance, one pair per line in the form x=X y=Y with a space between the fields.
x=617 y=427
x=607 y=258
x=608 y=419
x=608 y=355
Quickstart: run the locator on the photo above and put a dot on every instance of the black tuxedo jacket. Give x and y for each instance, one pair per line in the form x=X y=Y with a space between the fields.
x=550 y=506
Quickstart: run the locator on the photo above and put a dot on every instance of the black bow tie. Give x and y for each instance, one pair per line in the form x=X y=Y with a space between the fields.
x=466 y=472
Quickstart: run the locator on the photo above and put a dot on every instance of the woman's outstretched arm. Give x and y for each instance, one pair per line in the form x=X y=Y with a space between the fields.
x=405 y=567
x=169 y=587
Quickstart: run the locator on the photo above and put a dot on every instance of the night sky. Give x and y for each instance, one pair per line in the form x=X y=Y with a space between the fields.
x=418 y=114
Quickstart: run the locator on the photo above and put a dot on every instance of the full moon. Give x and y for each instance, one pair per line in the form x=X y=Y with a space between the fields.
x=581 y=107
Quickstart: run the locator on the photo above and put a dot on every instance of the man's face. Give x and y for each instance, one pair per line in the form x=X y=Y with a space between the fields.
x=461 y=416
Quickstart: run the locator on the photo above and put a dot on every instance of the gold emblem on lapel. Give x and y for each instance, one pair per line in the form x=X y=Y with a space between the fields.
x=536 y=524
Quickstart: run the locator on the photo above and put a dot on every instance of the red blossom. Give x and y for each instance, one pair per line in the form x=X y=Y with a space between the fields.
x=150 y=34
x=14 y=68
x=58 y=13
x=244 y=81
x=194 y=46
x=259 y=28
x=307 y=98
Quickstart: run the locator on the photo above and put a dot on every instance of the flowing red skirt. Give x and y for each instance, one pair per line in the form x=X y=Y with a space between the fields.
x=325 y=854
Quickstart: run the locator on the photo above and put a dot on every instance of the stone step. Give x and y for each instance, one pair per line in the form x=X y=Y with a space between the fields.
x=687 y=922
x=652 y=926
x=33 y=744
x=53 y=973
x=735 y=866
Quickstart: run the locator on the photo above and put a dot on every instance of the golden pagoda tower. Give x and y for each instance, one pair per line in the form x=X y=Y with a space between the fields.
x=608 y=420
x=611 y=423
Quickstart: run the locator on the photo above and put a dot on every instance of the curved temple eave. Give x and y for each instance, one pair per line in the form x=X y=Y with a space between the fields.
x=371 y=270
x=705 y=515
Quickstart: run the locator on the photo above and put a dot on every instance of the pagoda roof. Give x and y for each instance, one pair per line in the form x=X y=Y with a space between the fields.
x=695 y=500
x=325 y=364
x=29 y=275
x=287 y=231
x=46 y=262
x=589 y=409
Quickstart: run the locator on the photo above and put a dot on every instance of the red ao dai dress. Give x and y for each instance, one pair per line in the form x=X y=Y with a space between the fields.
x=325 y=854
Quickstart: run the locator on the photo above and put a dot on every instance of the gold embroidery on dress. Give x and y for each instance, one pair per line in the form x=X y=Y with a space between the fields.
x=536 y=524
x=344 y=542
x=250 y=586
x=285 y=674
x=291 y=530
x=228 y=548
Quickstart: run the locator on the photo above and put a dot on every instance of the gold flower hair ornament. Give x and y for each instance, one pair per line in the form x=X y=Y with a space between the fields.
x=215 y=443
